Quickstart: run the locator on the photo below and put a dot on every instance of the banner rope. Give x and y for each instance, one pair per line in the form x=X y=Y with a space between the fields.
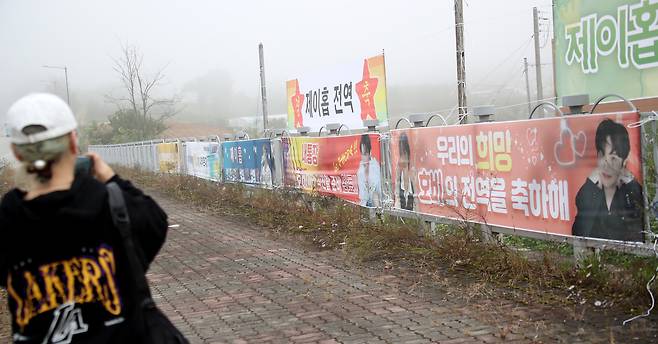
x=648 y=287
x=653 y=117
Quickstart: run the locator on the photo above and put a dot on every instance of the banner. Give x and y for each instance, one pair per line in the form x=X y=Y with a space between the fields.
x=202 y=159
x=606 y=46
x=346 y=166
x=577 y=175
x=249 y=161
x=348 y=95
x=168 y=157
x=277 y=156
x=215 y=164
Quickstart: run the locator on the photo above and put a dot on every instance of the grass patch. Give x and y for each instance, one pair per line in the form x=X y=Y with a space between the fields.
x=531 y=244
x=547 y=276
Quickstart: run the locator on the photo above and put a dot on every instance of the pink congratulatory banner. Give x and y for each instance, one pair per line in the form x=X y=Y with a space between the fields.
x=575 y=175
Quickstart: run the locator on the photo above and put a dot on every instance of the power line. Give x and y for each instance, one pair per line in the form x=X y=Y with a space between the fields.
x=509 y=79
x=525 y=103
x=512 y=54
x=477 y=84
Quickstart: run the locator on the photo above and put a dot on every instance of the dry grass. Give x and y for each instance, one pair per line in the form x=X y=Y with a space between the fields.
x=549 y=277
x=543 y=277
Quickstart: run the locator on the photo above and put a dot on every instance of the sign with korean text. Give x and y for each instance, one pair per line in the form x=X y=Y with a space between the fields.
x=348 y=94
x=202 y=159
x=249 y=161
x=606 y=46
x=346 y=166
x=168 y=157
x=577 y=175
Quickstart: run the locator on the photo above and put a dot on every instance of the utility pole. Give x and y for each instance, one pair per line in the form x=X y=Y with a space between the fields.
x=461 y=70
x=66 y=77
x=527 y=84
x=540 y=90
x=554 y=75
x=263 y=93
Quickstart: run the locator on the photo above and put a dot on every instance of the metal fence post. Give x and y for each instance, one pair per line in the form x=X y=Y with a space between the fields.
x=388 y=197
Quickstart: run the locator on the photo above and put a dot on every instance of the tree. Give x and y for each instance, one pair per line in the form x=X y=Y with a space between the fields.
x=141 y=113
x=123 y=126
x=95 y=134
x=128 y=126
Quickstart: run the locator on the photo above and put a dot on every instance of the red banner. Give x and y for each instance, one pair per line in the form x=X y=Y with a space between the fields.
x=346 y=166
x=577 y=175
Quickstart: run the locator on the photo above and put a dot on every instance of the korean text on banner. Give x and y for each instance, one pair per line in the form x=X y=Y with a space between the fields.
x=349 y=94
x=202 y=159
x=168 y=157
x=249 y=161
x=577 y=175
x=606 y=46
x=346 y=166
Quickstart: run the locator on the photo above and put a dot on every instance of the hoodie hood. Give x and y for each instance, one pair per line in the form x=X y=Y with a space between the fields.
x=84 y=200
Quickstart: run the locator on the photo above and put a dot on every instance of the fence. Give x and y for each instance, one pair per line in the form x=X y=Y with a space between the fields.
x=542 y=178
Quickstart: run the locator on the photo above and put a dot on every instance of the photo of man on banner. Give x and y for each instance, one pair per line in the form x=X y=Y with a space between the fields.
x=266 y=171
x=369 y=175
x=609 y=204
x=405 y=177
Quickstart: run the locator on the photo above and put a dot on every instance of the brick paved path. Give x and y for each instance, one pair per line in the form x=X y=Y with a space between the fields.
x=221 y=281
x=224 y=282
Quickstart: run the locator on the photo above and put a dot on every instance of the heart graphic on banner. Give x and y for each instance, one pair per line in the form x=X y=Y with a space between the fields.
x=580 y=144
x=531 y=136
x=565 y=153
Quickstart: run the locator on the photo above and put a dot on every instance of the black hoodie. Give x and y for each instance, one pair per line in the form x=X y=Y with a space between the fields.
x=63 y=265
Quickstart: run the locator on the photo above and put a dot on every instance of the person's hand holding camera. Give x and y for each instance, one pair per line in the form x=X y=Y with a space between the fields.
x=100 y=169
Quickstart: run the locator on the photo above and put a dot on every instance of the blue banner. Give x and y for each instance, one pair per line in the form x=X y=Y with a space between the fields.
x=249 y=161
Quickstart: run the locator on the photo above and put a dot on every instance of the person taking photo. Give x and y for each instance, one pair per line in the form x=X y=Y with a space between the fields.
x=62 y=261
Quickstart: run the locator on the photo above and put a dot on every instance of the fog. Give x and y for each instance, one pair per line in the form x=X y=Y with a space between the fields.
x=209 y=50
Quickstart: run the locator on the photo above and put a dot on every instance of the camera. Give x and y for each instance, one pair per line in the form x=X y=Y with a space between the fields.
x=84 y=165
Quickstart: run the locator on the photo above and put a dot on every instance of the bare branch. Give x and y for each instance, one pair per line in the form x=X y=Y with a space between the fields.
x=140 y=89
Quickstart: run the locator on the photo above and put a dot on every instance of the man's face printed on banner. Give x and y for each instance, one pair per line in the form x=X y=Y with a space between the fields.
x=610 y=164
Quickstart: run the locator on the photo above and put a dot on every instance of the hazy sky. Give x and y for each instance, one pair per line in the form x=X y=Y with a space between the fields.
x=194 y=38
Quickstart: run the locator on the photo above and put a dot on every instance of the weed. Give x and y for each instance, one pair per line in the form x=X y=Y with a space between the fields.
x=541 y=271
x=537 y=245
x=533 y=270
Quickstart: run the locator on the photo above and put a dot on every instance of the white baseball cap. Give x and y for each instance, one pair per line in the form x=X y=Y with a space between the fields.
x=41 y=109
